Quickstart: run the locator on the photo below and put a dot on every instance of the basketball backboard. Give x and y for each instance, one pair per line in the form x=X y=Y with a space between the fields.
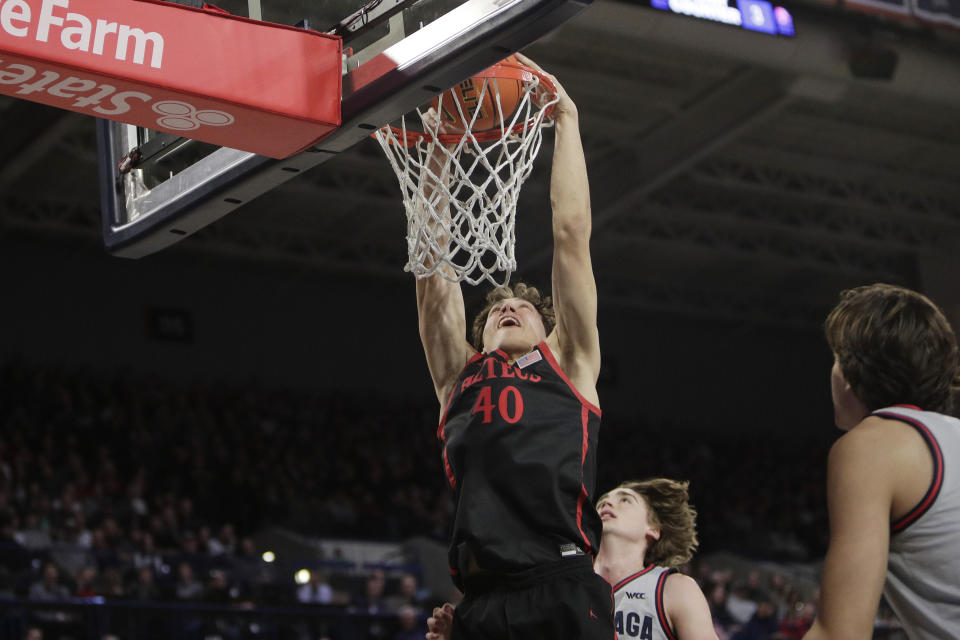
x=157 y=189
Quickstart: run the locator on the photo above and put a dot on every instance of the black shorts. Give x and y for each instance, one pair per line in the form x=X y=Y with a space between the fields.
x=565 y=600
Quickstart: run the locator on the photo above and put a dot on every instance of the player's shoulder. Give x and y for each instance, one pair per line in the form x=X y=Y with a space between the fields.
x=680 y=583
x=875 y=435
x=683 y=599
x=679 y=588
x=580 y=368
x=451 y=377
x=877 y=446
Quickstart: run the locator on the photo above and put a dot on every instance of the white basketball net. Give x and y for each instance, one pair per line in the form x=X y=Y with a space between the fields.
x=460 y=192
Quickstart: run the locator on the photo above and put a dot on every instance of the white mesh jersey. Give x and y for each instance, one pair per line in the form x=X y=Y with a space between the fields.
x=638 y=606
x=923 y=572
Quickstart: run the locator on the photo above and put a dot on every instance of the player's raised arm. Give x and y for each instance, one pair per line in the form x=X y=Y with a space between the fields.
x=442 y=331
x=574 y=290
x=440 y=307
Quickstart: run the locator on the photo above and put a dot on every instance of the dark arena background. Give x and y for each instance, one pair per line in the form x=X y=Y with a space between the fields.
x=234 y=438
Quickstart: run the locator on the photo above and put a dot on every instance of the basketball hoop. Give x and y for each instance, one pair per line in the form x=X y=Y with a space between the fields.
x=460 y=186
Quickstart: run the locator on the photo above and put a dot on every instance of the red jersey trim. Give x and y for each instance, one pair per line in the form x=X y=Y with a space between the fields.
x=628 y=579
x=935 y=485
x=441 y=428
x=452 y=479
x=548 y=355
x=661 y=610
x=441 y=436
x=583 y=495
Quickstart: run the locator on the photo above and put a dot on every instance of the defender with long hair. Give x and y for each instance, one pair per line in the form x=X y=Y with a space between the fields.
x=893 y=479
x=649 y=529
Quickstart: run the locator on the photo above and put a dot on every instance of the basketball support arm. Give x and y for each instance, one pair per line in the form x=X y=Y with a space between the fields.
x=139 y=221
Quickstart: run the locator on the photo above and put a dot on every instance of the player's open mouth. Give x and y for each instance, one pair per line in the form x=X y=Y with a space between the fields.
x=508 y=321
x=606 y=513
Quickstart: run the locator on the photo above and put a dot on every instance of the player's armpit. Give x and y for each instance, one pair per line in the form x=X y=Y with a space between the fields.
x=687 y=609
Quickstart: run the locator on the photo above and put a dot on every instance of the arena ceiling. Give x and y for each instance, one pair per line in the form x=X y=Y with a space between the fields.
x=732 y=174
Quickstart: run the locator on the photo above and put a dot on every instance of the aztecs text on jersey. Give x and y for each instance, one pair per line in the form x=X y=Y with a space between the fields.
x=519 y=450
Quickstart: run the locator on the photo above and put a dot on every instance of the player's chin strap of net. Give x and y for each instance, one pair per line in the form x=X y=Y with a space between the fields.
x=460 y=190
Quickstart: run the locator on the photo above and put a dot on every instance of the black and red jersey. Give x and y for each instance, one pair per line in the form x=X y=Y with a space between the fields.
x=520 y=451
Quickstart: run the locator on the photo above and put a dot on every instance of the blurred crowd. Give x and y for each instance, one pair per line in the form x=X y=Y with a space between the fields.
x=145 y=490
x=770 y=603
x=756 y=606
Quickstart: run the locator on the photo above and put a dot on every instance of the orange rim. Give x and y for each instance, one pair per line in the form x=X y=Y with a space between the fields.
x=502 y=70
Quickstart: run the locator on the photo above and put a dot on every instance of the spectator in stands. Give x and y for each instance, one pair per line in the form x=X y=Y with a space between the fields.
x=111 y=584
x=137 y=505
x=409 y=595
x=164 y=537
x=85 y=580
x=722 y=620
x=247 y=552
x=114 y=537
x=225 y=543
x=147 y=555
x=76 y=532
x=372 y=600
x=250 y=571
x=188 y=543
x=187 y=587
x=13 y=556
x=218 y=588
x=144 y=589
x=49 y=586
x=188 y=516
x=203 y=539
x=412 y=624
x=170 y=521
x=740 y=606
x=35 y=531
x=316 y=590
x=762 y=625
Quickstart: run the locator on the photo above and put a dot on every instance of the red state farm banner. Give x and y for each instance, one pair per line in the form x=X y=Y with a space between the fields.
x=235 y=82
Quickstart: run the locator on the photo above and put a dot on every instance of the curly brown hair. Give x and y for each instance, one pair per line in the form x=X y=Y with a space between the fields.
x=894 y=346
x=669 y=509
x=543 y=304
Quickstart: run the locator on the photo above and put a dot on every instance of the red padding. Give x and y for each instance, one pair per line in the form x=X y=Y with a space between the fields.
x=235 y=82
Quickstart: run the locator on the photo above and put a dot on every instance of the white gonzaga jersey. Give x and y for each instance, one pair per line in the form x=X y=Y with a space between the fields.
x=923 y=573
x=638 y=606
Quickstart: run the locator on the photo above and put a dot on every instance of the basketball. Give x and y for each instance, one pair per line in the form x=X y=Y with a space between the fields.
x=473 y=98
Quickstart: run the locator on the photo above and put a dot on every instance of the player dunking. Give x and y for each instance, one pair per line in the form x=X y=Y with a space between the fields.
x=649 y=528
x=893 y=480
x=519 y=422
